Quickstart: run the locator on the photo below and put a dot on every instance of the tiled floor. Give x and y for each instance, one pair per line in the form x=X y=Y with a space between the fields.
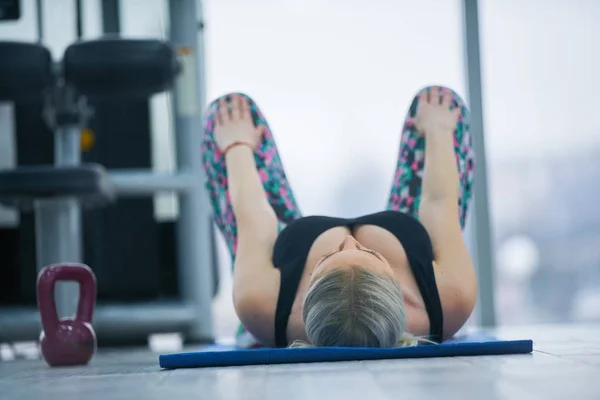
x=565 y=364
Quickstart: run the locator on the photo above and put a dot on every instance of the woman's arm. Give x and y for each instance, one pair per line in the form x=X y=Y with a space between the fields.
x=438 y=212
x=255 y=280
x=440 y=175
x=246 y=192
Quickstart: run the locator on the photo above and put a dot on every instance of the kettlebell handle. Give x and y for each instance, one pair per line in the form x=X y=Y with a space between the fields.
x=46 y=284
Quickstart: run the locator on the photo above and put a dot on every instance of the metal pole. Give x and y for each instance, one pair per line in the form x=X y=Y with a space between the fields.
x=39 y=14
x=78 y=19
x=193 y=225
x=111 y=21
x=58 y=240
x=202 y=85
x=147 y=183
x=483 y=255
x=67 y=150
x=58 y=228
x=112 y=322
x=201 y=54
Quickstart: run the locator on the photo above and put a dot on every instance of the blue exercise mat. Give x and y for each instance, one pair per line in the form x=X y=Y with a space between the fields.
x=225 y=356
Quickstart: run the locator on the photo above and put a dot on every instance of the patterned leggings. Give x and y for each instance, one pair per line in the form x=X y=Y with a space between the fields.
x=405 y=192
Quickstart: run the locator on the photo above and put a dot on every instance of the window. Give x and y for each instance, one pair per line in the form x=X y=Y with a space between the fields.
x=540 y=89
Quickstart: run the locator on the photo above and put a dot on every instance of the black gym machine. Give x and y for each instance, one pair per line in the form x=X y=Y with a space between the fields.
x=77 y=195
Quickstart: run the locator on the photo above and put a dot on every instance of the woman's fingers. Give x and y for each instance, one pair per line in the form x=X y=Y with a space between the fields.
x=434 y=96
x=422 y=98
x=236 y=107
x=222 y=113
x=244 y=108
x=447 y=100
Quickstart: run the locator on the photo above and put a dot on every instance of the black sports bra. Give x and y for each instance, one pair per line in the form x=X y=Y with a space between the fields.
x=294 y=242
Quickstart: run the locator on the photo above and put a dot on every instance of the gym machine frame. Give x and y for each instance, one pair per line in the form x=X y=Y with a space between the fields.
x=191 y=315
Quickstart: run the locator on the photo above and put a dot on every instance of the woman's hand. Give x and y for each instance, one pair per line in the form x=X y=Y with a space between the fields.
x=435 y=117
x=234 y=123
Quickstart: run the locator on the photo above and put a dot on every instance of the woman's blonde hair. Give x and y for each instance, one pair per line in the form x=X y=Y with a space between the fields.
x=355 y=307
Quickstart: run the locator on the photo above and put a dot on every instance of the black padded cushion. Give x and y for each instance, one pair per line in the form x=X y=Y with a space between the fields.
x=120 y=67
x=89 y=183
x=26 y=71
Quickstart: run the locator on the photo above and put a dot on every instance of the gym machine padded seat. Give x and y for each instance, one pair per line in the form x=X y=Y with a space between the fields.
x=21 y=187
x=26 y=71
x=120 y=67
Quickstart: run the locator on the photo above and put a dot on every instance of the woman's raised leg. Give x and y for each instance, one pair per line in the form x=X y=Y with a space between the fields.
x=405 y=193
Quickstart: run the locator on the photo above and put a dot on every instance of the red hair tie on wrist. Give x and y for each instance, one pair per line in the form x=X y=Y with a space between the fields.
x=235 y=144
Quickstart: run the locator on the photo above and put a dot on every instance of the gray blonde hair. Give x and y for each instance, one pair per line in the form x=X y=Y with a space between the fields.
x=355 y=308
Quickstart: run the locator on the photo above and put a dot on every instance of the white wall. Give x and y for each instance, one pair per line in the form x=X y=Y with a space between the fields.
x=334 y=79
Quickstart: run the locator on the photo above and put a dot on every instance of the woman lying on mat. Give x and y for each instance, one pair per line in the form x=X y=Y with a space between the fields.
x=379 y=280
